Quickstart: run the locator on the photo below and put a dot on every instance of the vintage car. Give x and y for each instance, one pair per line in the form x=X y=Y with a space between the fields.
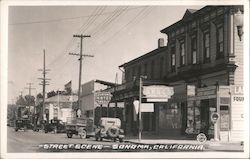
x=55 y=125
x=109 y=128
x=80 y=127
x=22 y=124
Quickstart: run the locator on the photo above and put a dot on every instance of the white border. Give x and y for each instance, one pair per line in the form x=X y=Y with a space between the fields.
x=4 y=82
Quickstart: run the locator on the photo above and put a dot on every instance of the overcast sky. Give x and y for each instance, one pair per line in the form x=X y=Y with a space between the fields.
x=118 y=34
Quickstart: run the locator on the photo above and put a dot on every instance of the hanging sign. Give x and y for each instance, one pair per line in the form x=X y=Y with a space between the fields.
x=157 y=93
x=103 y=98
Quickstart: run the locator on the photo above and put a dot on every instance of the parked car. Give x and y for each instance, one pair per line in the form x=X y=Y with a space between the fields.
x=109 y=128
x=55 y=125
x=22 y=124
x=80 y=127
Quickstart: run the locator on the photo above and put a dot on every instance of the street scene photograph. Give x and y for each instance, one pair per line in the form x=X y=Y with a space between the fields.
x=125 y=78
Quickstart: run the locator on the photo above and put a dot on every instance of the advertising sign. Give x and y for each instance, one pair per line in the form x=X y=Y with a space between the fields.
x=103 y=97
x=157 y=93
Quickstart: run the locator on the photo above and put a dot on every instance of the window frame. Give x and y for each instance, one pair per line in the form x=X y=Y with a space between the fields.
x=182 y=53
x=194 y=37
x=207 y=59
x=219 y=54
x=173 y=52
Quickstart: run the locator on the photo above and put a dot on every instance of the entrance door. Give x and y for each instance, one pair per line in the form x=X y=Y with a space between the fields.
x=204 y=115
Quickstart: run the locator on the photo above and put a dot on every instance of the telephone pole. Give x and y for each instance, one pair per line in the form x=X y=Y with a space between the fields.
x=80 y=66
x=29 y=88
x=44 y=82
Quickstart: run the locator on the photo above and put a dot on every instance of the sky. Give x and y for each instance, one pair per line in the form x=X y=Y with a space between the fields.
x=118 y=35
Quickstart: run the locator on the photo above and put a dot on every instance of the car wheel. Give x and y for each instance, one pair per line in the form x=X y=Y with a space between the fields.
x=114 y=139
x=96 y=138
x=83 y=134
x=100 y=138
x=69 y=135
x=55 y=130
x=46 y=131
x=16 y=129
x=120 y=139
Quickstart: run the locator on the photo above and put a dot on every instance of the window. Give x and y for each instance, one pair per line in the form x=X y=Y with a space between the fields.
x=206 y=40
x=172 y=59
x=152 y=69
x=194 y=49
x=139 y=70
x=127 y=75
x=220 y=46
x=182 y=53
x=161 y=67
x=145 y=69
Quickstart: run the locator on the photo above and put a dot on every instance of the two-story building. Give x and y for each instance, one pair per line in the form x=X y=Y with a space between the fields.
x=203 y=62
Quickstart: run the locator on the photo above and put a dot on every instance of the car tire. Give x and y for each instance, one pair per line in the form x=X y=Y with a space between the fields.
x=100 y=138
x=96 y=138
x=120 y=139
x=69 y=135
x=83 y=134
x=16 y=129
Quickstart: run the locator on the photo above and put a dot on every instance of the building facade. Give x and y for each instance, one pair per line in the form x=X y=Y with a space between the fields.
x=60 y=107
x=203 y=63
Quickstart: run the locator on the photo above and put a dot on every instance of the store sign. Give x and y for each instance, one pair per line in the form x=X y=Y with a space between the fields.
x=103 y=98
x=145 y=107
x=157 y=93
x=191 y=90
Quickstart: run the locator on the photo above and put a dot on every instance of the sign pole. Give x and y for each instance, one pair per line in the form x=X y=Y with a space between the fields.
x=139 y=108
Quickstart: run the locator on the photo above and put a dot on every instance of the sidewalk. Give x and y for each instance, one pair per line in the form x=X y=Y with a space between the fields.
x=208 y=145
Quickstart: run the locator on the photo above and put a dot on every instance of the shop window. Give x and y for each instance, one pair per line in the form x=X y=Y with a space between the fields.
x=182 y=53
x=206 y=43
x=173 y=59
x=219 y=42
x=224 y=118
x=194 y=49
x=55 y=112
x=173 y=116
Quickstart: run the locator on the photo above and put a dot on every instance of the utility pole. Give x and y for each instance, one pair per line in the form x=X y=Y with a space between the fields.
x=80 y=69
x=140 y=101
x=44 y=82
x=29 y=88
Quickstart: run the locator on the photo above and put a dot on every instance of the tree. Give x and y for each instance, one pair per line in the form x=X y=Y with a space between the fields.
x=30 y=100
x=20 y=101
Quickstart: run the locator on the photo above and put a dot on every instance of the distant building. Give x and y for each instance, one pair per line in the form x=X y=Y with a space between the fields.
x=203 y=63
x=96 y=101
x=60 y=107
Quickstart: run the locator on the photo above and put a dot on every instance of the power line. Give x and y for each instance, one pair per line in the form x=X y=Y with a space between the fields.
x=64 y=19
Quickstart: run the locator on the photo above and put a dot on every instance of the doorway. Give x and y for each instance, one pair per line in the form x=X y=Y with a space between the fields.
x=204 y=116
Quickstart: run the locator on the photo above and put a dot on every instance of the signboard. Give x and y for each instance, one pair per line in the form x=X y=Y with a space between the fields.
x=191 y=90
x=103 y=98
x=145 y=107
x=157 y=93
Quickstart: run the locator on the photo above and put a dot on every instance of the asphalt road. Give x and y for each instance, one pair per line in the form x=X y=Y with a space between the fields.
x=31 y=141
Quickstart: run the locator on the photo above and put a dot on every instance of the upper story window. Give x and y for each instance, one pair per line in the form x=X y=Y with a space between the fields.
x=145 y=69
x=206 y=44
x=139 y=70
x=219 y=43
x=172 y=59
x=127 y=75
x=161 y=66
x=182 y=53
x=152 y=69
x=194 y=49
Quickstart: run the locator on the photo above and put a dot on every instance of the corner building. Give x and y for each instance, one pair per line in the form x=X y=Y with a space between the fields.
x=203 y=62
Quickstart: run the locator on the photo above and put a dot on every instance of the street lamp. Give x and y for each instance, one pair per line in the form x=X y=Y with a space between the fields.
x=239 y=23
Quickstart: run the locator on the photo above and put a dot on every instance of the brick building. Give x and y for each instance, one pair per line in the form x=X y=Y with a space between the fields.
x=203 y=62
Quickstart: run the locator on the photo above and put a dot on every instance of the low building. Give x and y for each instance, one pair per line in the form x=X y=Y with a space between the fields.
x=60 y=107
x=203 y=63
x=95 y=101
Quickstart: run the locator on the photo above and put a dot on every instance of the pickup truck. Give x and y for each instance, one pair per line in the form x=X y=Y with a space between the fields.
x=80 y=127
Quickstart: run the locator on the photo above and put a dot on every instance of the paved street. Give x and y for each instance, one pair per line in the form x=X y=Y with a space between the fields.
x=29 y=141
